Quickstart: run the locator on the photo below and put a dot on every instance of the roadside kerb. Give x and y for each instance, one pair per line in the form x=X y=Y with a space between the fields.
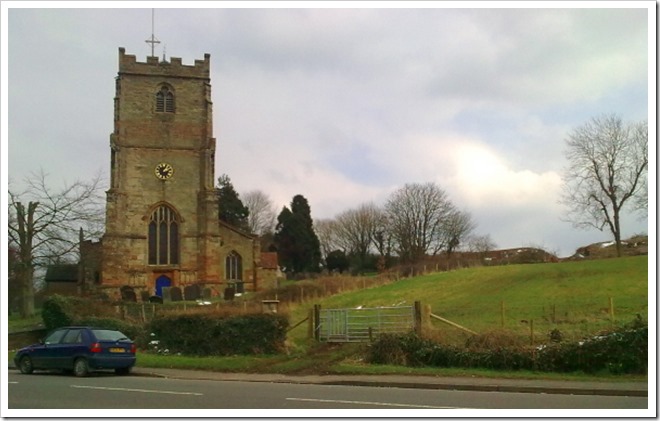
x=637 y=389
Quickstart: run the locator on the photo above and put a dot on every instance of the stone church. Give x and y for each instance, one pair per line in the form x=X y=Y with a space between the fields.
x=162 y=227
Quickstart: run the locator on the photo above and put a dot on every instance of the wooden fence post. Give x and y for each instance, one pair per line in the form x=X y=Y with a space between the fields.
x=611 y=309
x=531 y=331
x=310 y=323
x=317 y=321
x=418 y=318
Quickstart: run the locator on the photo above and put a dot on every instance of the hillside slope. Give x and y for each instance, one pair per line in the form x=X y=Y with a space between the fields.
x=577 y=298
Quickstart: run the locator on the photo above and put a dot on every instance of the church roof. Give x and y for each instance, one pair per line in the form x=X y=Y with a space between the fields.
x=236 y=230
x=62 y=273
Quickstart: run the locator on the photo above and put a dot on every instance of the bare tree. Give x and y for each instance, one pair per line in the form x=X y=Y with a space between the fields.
x=48 y=228
x=457 y=226
x=355 y=229
x=326 y=232
x=382 y=239
x=262 y=216
x=416 y=214
x=480 y=244
x=608 y=164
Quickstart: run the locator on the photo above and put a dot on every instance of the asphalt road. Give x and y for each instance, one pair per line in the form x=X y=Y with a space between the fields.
x=215 y=398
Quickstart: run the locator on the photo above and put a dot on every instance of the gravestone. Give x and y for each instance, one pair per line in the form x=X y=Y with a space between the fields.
x=229 y=293
x=155 y=299
x=144 y=296
x=127 y=294
x=175 y=293
x=167 y=294
x=191 y=292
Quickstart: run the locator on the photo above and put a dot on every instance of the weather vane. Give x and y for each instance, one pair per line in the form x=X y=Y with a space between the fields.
x=153 y=39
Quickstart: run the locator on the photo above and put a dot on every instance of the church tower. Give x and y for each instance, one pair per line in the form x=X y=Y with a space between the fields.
x=162 y=225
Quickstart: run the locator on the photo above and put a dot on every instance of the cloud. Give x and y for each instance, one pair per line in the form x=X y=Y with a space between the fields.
x=346 y=105
x=484 y=179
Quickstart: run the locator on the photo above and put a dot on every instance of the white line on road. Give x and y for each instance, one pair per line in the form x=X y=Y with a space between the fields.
x=402 y=405
x=12 y=382
x=121 y=389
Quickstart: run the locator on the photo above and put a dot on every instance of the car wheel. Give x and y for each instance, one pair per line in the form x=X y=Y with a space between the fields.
x=122 y=371
x=26 y=365
x=80 y=367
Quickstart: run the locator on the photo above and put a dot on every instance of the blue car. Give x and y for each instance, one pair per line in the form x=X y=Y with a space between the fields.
x=79 y=349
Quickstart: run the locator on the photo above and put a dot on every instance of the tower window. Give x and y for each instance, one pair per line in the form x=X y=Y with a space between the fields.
x=234 y=266
x=163 y=234
x=165 y=100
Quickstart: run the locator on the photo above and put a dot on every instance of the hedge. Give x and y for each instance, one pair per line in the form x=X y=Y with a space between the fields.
x=622 y=351
x=59 y=310
x=208 y=334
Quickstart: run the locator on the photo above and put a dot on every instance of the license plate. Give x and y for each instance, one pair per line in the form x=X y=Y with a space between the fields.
x=117 y=350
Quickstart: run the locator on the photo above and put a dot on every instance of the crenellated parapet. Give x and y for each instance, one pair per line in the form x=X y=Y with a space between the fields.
x=128 y=64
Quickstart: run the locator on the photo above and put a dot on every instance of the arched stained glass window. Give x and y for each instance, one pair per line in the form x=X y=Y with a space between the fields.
x=165 y=100
x=234 y=266
x=163 y=237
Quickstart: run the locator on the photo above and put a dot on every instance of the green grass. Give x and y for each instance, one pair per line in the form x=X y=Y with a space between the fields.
x=16 y=323
x=573 y=297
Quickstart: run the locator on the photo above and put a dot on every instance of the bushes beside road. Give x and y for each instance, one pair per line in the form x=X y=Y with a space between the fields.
x=195 y=333
x=621 y=351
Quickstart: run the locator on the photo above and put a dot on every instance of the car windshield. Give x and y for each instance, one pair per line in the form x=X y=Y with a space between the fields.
x=109 y=335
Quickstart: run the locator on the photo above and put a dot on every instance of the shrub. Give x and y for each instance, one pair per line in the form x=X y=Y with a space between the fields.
x=208 y=334
x=493 y=339
x=60 y=310
x=55 y=312
x=133 y=331
x=621 y=351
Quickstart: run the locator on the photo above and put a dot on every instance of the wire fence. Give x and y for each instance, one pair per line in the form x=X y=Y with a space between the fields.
x=542 y=321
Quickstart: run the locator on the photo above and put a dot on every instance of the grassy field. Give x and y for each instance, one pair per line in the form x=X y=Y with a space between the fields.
x=577 y=298
x=573 y=297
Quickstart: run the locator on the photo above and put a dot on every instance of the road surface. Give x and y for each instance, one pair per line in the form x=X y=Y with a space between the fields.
x=107 y=391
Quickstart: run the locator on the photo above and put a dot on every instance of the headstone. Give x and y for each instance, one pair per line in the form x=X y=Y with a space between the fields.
x=167 y=294
x=175 y=293
x=239 y=287
x=144 y=296
x=229 y=294
x=155 y=299
x=191 y=292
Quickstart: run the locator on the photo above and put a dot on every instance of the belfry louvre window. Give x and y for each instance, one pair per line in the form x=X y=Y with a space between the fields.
x=165 y=100
x=163 y=237
x=234 y=266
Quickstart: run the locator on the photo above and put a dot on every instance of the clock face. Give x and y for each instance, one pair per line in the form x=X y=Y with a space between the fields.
x=164 y=171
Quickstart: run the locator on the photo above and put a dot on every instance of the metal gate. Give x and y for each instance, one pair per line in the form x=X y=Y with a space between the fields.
x=364 y=324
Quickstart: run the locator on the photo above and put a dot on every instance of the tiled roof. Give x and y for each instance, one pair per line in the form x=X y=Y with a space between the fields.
x=62 y=273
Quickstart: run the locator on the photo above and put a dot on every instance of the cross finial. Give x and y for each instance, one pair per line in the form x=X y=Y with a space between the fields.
x=153 y=39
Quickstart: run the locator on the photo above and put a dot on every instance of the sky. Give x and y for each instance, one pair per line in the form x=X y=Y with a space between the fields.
x=348 y=103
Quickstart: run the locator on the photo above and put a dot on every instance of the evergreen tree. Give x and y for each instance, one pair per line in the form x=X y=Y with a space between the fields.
x=231 y=208
x=298 y=247
x=337 y=260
